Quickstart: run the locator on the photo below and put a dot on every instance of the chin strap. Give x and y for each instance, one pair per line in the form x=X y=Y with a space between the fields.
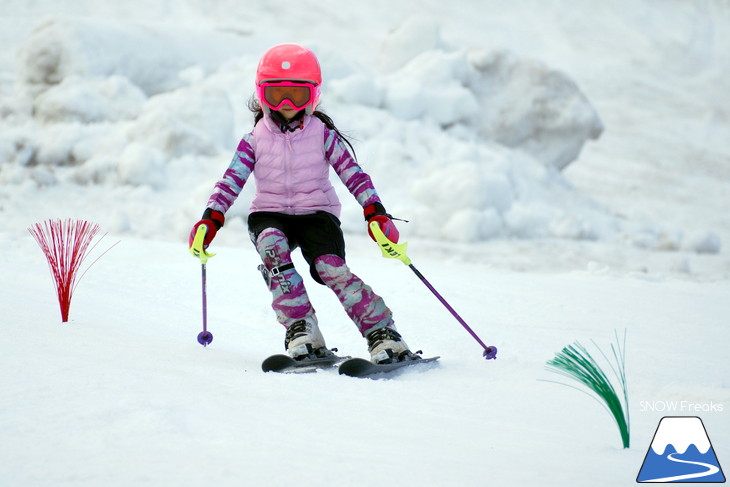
x=286 y=125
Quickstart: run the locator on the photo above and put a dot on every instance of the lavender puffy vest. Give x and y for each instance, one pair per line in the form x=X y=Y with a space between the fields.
x=291 y=170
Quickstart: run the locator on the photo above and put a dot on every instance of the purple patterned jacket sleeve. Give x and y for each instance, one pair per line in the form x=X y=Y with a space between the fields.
x=230 y=185
x=351 y=174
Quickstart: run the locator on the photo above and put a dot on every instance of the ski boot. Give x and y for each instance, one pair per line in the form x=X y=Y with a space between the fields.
x=387 y=346
x=304 y=340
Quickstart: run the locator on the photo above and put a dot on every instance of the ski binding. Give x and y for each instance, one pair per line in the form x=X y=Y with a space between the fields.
x=359 y=367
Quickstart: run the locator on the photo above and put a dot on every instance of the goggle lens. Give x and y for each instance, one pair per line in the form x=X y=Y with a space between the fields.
x=299 y=95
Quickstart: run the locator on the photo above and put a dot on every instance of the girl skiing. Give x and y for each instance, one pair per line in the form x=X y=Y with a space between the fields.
x=289 y=151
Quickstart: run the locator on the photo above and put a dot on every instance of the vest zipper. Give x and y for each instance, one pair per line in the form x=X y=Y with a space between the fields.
x=287 y=170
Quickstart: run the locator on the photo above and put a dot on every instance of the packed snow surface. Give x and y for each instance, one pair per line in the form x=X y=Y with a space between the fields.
x=565 y=170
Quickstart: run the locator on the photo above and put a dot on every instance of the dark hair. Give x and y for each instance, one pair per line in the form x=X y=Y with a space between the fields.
x=255 y=107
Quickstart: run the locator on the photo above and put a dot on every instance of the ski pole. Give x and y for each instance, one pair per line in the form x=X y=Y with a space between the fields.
x=393 y=250
x=198 y=250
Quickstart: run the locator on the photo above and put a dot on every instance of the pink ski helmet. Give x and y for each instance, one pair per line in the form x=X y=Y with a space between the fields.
x=291 y=63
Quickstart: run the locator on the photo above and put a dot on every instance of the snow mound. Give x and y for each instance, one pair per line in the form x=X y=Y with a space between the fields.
x=706 y=242
x=190 y=120
x=414 y=36
x=468 y=144
x=150 y=55
x=470 y=191
x=519 y=103
x=526 y=105
x=90 y=100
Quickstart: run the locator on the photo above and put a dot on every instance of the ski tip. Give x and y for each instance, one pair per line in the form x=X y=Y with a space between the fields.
x=490 y=353
x=205 y=337
x=276 y=363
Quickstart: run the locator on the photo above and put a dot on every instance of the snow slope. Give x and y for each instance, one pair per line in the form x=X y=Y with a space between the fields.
x=569 y=158
x=124 y=394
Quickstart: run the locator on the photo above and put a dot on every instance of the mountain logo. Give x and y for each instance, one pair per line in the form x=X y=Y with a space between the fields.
x=680 y=452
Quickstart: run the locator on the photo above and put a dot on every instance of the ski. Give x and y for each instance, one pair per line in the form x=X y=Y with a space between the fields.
x=359 y=367
x=285 y=364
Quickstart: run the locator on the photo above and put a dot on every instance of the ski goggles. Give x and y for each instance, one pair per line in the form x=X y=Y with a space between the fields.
x=275 y=94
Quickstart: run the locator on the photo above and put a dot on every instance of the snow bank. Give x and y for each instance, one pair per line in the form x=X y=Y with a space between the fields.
x=191 y=120
x=520 y=103
x=470 y=191
x=150 y=55
x=90 y=100
x=526 y=105
x=468 y=144
x=112 y=103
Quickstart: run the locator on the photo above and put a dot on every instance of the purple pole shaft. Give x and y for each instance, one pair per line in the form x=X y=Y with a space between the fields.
x=489 y=352
x=205 y=304
x=205 y=337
